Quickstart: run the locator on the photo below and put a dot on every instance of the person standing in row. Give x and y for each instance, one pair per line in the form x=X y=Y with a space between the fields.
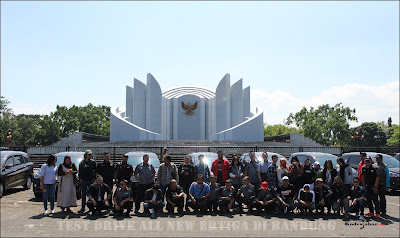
x=272 y=173
x=308 y=174
x=144 y=174
x=282 y=171
x=262 y=168
x=251 y=171
x=220 y=168
x=345 y=172
x=186 y=173
x=124 y=170
x=236 y=172
x=48 y=180
x=202 y=168
x=108 y=171
x=66 y=194
x=363 y=155
x=384 y=182
x=329 y=172
x=295 y=173
x=87 y=175
x=370 y=178
x=166 y=173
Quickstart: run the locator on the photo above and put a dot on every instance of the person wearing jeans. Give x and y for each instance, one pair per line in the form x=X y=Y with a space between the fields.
x=357 y=194
x=87 y=175
x=48 y=180
x=153 y=199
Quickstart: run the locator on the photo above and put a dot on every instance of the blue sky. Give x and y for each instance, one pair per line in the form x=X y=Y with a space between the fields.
x=291 y=54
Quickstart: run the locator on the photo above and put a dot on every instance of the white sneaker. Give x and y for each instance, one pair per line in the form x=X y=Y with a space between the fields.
x=45 y=212
x=361 y=217
x=52 y=212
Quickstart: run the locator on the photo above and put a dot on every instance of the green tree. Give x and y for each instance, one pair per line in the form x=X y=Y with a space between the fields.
x=325 y=125
x=371 y=134
x=394 y=136
x=277 y=130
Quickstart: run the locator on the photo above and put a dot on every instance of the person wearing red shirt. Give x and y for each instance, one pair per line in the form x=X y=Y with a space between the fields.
x=363 y=155
x=220 y=168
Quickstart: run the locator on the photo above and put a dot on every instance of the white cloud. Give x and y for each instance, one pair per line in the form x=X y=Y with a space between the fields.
x=372 y=103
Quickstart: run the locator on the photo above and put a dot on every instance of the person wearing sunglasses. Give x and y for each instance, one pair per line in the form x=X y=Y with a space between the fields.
x=123 y=199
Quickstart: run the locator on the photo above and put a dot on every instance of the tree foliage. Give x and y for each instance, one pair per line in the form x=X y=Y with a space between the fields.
x=370 y=134
x=326 y=125
x=277 y=130
x=394 y=136
x=48 y=129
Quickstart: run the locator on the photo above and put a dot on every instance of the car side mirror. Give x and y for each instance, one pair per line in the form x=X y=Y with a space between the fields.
x=7 y=167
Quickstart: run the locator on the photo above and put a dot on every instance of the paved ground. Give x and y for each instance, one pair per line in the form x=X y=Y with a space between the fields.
x=21 y=216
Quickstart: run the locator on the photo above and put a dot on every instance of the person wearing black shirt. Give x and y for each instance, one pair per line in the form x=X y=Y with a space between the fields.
x=175 y=196
x=96 y=193
x=370 y=179
x=339 y=196
x=285 y=196
x=323 y=196
x=123 y=198
x=227 y=197
x=87 y=175
x=246 y=194
x=186 y=173
x=357 y=194
x=308 y=174
x=107 y=170
x=124 y=171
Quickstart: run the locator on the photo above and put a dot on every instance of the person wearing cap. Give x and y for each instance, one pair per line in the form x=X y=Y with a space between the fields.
x=246 y=194
x=220 y=168
x=227 y=196
x=306 y=200
x=339 y=196
x=108 y=171
x=384 y=182
x=266 y=199
x=123 y=198
x=357 y=195
x=166 y=172
x=370 y=179
x=251 y=171
x=144 y=174
x=87 y=175
x=124 y=171
x=345 y=172
x=286 y=195
x=323 y=196
x=212 y=201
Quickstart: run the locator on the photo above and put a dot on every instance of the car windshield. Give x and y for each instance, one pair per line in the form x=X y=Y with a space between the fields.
x=74 y=159
x=390 y=161
x=135 y=160
x=322 y=160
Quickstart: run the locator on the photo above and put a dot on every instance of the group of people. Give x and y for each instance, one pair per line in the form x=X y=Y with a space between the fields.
x=265 y=186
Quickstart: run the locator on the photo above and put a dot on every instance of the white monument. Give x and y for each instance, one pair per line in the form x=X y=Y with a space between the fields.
x=186 y=113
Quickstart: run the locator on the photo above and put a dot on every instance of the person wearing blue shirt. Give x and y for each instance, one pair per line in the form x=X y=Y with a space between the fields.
x=199 y=191
x=202 y=168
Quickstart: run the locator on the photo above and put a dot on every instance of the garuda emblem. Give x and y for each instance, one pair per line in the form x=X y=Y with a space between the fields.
x=189 y=108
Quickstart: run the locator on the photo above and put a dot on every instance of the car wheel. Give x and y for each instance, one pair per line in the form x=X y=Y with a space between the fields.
x=1 y=190
x=28 y=183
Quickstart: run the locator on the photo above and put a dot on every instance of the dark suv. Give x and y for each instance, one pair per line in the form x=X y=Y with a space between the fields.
x=16 y=170
x=353 y=158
